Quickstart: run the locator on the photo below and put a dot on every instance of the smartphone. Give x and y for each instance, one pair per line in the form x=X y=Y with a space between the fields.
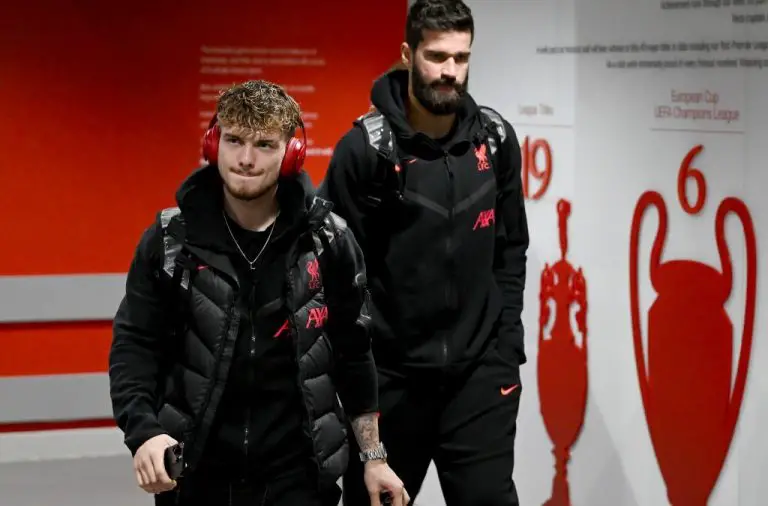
x=173 y=459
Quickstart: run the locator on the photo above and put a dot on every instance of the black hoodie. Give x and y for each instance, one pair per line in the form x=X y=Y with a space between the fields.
x=446 y=264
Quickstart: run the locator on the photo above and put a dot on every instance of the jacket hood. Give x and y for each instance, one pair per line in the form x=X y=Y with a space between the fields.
x=389 y=96
x=200 y=198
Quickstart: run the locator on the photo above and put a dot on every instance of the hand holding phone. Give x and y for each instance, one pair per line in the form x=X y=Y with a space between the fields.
x=150 y=466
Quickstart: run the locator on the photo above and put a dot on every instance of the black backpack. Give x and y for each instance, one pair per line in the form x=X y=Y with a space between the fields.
x=389 y=183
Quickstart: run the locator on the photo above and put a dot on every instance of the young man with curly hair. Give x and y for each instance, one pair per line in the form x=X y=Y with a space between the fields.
x=245 y=314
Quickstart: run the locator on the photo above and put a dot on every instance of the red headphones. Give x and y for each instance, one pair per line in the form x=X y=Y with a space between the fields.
x=295 y=149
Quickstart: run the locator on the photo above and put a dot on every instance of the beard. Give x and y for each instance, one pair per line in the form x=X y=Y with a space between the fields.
x=248 y=191
x=435 y=100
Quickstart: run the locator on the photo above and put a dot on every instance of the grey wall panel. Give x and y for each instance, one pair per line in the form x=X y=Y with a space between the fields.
x=51 y=398
x=60 y=298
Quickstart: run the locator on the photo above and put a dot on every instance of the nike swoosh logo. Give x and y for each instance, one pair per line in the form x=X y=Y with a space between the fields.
x=507 y=391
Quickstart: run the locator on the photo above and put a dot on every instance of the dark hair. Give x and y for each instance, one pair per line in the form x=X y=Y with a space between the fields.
x=439 y=15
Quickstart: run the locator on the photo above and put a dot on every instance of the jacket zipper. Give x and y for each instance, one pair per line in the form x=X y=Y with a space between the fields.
x=251 y=358
x=448 y=246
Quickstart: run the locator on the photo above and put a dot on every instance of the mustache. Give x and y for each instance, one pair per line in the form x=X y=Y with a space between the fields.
x=452 y=82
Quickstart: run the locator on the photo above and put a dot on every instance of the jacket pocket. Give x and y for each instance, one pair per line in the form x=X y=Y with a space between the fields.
x=175 y=422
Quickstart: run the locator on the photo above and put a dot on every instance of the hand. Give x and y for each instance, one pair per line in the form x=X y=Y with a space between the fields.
x=380 y=479
x=149 y=465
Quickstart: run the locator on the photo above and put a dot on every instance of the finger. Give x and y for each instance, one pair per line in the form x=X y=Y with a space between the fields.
x=406 y=498
x=139 y=478
x=148 y=470
x=375 y=499
x=397 y=500
x=144 y=482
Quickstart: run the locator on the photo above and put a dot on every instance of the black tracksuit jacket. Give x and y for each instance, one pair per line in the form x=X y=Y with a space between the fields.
x=446 y=263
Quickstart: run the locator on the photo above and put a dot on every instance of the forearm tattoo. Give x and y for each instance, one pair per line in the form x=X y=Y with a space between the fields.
x=366 y=429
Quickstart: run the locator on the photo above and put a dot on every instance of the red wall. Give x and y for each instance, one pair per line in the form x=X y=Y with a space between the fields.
x=102 y=119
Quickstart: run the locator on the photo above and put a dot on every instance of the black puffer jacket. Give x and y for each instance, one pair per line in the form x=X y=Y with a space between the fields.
x=174 y=336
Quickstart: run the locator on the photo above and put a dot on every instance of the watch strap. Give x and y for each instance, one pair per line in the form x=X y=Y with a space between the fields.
x=377 y=453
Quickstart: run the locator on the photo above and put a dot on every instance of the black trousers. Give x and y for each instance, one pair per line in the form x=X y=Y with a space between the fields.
x=294 y=489
x=466 y=424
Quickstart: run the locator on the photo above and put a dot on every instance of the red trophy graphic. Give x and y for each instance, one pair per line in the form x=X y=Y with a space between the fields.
x=562 y=362
x=690 y=406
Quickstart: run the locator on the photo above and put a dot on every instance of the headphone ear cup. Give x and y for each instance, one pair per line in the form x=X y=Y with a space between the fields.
x=211 y=144
x=293 y=161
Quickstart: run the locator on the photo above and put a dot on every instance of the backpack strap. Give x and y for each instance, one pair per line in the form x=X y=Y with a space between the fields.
x=493 y=123
x=176 y=267
x=389 y=175
x=378 y=133
x=323 y=236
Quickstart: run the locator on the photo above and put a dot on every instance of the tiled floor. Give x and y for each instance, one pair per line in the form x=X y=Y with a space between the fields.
x=98 y=481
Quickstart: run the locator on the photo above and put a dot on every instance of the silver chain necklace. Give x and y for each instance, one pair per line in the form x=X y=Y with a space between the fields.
x=250 y=262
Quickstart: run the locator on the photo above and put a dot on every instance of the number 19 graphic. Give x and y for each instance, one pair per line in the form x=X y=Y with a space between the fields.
x=537 y=163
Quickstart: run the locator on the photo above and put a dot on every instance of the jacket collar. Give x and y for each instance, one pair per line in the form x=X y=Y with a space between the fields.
x=201 y=201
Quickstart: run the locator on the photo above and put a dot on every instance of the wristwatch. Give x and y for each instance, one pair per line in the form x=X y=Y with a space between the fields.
x=378 y=453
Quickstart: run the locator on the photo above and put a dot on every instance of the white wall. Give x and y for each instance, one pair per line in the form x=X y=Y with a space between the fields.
x=609 y=147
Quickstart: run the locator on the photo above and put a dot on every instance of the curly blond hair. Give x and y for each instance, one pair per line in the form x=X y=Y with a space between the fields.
x=259 y=106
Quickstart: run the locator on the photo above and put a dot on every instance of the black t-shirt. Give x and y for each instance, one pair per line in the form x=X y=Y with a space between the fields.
x=258 y=428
